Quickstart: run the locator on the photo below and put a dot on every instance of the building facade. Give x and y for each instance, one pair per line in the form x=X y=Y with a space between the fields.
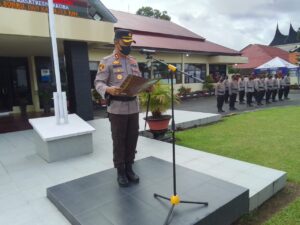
x=85 y=30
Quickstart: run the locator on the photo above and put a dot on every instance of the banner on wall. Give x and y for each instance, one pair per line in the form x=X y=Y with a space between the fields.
x=74 y=8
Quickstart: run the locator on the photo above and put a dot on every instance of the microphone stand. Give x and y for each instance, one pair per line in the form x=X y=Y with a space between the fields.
x=174 y=199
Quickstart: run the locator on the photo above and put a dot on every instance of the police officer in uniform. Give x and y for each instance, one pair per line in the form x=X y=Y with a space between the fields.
x=269 y=84
x=233 y=90
x=261 y=88
x=123 y=111
x=287 y=83
x=249 y=89
x=220 y=92
x=281 y=87
x=275 y=87
x=241 y=86
x=226 y=95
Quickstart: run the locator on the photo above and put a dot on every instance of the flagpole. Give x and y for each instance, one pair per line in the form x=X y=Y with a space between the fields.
x=60 y=103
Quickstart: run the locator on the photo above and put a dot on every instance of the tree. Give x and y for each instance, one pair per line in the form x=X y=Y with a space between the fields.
x=154 y=13
x=298 y=34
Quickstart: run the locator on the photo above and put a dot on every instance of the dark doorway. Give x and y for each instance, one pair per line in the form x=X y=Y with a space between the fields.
x=15 y=87
x=5 y=86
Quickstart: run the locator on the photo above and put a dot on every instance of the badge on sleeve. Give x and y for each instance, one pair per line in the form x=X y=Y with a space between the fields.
x=119 y=76
x=101 y=67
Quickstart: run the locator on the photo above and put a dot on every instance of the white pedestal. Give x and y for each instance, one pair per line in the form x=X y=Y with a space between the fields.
x=58 y=142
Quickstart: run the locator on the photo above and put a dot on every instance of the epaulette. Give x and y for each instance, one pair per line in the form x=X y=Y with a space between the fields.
x=107 y=57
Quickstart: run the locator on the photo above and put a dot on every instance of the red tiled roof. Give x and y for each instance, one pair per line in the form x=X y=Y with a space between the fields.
x=161 y=34
x=260 y=54
x=151 y=25
x=175 y=44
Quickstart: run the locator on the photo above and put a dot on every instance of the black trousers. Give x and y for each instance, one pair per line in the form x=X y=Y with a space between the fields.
x=232 y=100
x=280 y=93
x=286 y=91
x=241 y=96
x=249 y=98
x=268 y=95
x=124 y=132
x=220 y=102
x=256 y=96
x=274 y=93
x=226 y=96
x=259 y=96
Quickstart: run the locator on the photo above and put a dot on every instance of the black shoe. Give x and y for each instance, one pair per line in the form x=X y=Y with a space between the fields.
x=131 y=174
x=122 y=178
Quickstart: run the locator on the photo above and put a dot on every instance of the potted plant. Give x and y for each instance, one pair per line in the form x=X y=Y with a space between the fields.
x=46 y=95
x=160 y=102
x=208 y=85
x=183 y=91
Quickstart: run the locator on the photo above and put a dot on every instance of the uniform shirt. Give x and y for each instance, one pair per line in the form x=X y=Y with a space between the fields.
x=249 y=87
x=226 y=83
x=233 y=87
x=261 y=85
x=287 y=81
x=241 y=85
x=220 y=89
x=269 y=84
x=275 y=84
x=112 y=71
x=281 y=83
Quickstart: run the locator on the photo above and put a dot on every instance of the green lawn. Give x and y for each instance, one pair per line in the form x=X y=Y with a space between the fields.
x=267 y=137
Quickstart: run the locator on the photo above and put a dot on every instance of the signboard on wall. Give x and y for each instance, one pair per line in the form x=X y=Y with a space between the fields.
x=74 y=8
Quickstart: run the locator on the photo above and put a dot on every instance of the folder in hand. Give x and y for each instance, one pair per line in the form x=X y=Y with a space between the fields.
x=132 y=85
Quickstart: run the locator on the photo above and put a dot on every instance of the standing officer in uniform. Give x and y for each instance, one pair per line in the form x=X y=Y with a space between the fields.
x=226 y=83
x=269 y=84
x=281 y=87
x=241 y=86
x=261 y=88
x=123 y=111
x=233 y=90
x=275 y=87
x=249 y=89
x=287 y=83
x=220 y=92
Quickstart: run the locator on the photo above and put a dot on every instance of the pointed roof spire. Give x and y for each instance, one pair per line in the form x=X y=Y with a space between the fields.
x=279 y=38
x=292 y=37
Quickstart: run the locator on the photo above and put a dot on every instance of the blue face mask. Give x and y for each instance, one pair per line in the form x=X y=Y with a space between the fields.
x=125 y=50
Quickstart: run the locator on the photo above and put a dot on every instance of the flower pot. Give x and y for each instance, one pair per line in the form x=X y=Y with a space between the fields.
x=158 y=123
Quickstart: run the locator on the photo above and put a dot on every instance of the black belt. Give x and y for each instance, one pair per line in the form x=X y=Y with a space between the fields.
x=123 y=98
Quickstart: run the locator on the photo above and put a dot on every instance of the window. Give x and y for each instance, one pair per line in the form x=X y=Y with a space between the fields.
x=197 y=71
x=93 y=71
x=217 y=70
x=160 y=71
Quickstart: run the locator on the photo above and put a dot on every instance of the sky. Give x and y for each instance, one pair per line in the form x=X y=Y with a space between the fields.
x=231 y=23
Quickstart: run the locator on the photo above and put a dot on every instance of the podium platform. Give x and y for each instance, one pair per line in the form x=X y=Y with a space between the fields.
x=97 y=198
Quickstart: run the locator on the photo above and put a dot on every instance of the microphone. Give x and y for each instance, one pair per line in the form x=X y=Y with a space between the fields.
x=147 y=51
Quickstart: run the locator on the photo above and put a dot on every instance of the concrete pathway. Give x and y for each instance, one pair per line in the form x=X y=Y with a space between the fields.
x=24 y=176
